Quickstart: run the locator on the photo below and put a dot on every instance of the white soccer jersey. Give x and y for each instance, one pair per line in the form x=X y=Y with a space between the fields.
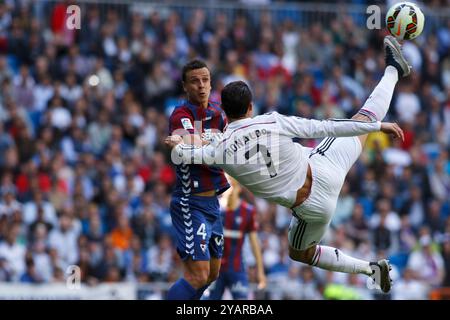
x=261 y=155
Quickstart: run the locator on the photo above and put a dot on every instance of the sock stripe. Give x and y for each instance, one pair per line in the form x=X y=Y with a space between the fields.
x=316 y=253
x=318 y=256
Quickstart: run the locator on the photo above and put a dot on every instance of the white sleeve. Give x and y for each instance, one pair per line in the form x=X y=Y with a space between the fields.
x=309 y=128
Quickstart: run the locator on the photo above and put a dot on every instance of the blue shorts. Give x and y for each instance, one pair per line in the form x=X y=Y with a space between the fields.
x=198 y=227
x=237 y=282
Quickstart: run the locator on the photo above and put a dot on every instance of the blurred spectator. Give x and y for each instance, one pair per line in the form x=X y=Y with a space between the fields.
x=39 y=209
x=390 y=218
x=122 y=234
x=13 y=253
x=426 y=263
x=30 y=275
x=446 y=257
x=159 y=258
x=64 y=239
x=415 y=207
x=434 y=219
x=356 y=227
x=409 y=288
x=8 y=203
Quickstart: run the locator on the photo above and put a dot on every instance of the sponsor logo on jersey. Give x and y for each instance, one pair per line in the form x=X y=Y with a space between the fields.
x=187 y=124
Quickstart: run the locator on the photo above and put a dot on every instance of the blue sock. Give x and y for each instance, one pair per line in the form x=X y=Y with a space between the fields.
x=182 y=290
x=200 y=291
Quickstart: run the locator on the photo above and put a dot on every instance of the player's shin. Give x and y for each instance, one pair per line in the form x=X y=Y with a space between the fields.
x=377 y=105
x=333 y=259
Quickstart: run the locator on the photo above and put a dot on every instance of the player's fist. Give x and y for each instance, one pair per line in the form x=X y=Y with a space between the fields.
x=174 y=140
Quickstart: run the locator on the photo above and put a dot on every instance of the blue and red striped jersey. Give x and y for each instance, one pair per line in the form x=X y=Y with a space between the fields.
x=191 y=119
x=237 y=223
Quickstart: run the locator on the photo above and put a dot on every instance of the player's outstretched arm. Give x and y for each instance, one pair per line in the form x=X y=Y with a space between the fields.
x=310 y=128
x=189 y=153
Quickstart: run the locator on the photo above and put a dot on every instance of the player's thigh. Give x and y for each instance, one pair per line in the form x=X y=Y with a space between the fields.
x=196 y=271
x=193 y=223
x=343 y=154
x=304 y=234
x=333 y=157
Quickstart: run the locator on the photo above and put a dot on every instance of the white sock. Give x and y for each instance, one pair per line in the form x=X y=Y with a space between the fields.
x=377 y=105
x=333 y=259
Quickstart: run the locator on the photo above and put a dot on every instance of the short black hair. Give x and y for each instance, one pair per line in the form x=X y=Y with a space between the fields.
x=236 y=98
x=192 y=65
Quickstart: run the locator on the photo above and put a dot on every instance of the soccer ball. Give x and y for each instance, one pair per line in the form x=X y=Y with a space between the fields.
x=405 y=20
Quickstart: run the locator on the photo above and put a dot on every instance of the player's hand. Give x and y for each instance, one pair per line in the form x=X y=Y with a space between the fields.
x=262 y=281
x=174 y=140
x=392 y=128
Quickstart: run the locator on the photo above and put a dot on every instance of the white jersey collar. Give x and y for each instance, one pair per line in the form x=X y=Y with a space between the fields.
x=238 y=123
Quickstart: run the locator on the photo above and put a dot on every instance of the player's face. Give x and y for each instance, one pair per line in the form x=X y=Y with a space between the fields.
x=198 y=86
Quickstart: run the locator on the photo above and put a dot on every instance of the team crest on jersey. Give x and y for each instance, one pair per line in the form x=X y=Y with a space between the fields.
x=203 y=246
x=187 y=124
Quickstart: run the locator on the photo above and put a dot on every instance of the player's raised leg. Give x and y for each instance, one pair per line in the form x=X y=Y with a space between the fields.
x=304 y=235
x=377 y=105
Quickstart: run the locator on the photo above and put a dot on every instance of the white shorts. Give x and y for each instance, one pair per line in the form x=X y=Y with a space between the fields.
x=330 y=162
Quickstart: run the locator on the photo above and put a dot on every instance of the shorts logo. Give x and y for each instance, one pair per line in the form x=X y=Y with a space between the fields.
x=187 y=124
x=219 y=240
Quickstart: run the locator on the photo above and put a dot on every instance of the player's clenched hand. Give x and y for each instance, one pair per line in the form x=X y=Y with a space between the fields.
x=174 y=140
x=191 y=139
x=262 y=281
x=392 y=128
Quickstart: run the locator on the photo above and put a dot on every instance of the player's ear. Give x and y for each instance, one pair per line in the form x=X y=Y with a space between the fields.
x=184 y=87
x=250 y=109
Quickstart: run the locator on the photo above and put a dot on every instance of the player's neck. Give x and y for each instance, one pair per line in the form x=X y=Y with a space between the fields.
x=201 y=104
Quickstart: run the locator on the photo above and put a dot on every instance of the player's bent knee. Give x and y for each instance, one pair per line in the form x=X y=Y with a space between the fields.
x=197 y=273
x=197 y=279
x=305 y=256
